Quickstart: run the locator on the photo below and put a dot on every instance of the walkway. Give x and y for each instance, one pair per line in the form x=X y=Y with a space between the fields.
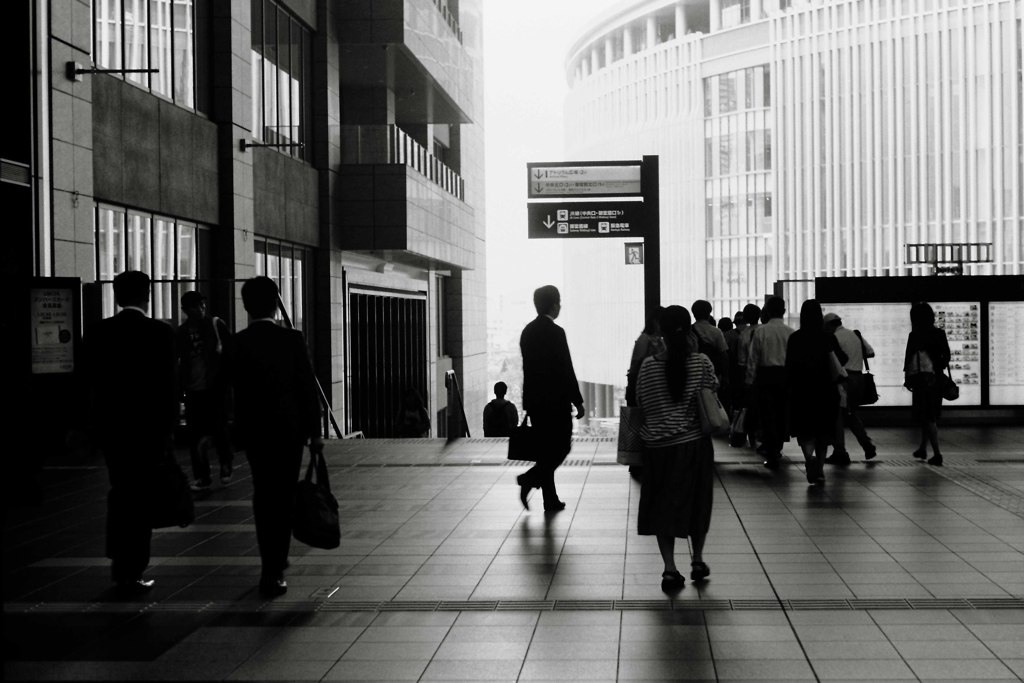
x=894 y=570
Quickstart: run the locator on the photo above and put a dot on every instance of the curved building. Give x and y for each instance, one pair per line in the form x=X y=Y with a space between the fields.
x=796 y=140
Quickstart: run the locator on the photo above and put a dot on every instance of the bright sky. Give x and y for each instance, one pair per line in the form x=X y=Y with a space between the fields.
x=525 y=46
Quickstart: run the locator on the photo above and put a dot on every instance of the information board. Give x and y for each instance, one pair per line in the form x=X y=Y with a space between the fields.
x=1006 y=353
x=885 y=327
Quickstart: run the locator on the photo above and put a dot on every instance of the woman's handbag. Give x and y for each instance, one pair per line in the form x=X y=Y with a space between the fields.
x=869 y=392
x=947 y=387
x=522 y=442
x=631 y=446
x=168 y=497
x=315 y=519
x=713 y=418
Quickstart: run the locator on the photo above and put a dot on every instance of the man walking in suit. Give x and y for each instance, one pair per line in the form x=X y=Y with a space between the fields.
x=277 y=409
x=130 y=363
x=549 y=390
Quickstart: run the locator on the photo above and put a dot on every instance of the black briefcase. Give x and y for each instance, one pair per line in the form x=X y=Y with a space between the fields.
x=522 y=442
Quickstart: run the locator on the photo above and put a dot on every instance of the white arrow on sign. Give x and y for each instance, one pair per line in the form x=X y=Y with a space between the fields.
x=548 y=222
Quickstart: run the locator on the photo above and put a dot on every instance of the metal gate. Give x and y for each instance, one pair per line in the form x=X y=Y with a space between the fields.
x=388 y=356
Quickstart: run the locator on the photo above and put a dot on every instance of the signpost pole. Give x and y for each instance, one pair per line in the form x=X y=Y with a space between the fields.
x=652 y=234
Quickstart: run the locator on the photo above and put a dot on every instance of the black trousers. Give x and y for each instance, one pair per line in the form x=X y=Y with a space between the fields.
x=772 y=408
x=275 y=465
x=206 y=416
x=555 y=437
x=128 y=528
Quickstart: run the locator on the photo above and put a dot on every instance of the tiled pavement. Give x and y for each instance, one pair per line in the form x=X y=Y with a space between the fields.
x=894 y=570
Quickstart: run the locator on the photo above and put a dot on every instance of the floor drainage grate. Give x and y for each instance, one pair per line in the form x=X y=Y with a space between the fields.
x=756 y=604
x=997 y=603
x=527 y=605
x=939 y=603
x=655 y=605
x=468 y=606
x=879 y=603
x=818 y=604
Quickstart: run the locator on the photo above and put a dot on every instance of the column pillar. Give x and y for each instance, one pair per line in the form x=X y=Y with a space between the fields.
x=652 y=32
x=716 y=15
x=680 y=21
x=595 y=61
x=627 y=41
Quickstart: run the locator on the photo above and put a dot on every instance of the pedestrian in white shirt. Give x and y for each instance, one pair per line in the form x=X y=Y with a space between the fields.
x=856 y=349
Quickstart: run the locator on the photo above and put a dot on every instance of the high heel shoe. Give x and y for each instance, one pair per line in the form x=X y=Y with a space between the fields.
x=920 y=454
x=699 y=571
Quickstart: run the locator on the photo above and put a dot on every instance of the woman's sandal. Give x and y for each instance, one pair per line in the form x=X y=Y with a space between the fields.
x=672 y=581
x=699 y=572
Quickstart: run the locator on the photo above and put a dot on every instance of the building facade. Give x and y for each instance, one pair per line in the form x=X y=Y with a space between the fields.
x=336 y=147
x=796 y=140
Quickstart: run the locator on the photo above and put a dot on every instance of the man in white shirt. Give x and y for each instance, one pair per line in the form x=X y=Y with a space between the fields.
x=766 y=373
x=856 y=350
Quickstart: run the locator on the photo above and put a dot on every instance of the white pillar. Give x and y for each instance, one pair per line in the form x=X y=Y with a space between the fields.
x=680 y=21
x=652 y=32
x=627 y=41
x=595 y=61
x=716 y=15
x=609 y=51
x=756 y=10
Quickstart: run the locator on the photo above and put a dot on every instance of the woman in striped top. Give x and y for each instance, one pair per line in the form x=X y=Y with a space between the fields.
x=676 y=487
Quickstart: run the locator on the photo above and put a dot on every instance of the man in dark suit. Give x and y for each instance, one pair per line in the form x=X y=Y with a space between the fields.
x=549 y=390
x=130 y=363
x=277 y=409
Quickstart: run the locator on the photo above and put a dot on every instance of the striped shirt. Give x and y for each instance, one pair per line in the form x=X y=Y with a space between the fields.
x=668 y=422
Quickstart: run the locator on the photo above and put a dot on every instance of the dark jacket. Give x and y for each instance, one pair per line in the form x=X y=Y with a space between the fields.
x=217 y=344
x=276 y=396
x=549 y=381
x=131 y=379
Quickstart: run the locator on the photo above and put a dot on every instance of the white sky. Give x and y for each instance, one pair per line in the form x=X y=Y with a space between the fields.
x=525 y=46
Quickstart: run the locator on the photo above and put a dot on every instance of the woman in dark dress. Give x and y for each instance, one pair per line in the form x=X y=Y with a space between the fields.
x=927 y=356
x=679 y=460
x=812 y=376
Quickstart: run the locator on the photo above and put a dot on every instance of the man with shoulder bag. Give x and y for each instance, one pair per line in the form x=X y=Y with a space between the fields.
x=857 y=350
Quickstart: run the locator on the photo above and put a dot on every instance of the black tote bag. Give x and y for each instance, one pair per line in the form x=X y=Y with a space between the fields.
x=522 y=442
x=315 y=519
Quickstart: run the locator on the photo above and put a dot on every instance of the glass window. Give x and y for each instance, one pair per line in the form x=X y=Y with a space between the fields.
x=280 y=68
x=285 y=264
x=138 y=243
x=149 y=34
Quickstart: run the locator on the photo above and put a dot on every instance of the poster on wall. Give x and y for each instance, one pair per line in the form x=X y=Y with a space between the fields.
x=885 y=327
x=53 y=330
x=1006 y=353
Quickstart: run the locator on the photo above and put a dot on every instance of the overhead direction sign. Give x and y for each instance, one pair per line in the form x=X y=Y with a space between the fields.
x=584 y=180
x=585 y=219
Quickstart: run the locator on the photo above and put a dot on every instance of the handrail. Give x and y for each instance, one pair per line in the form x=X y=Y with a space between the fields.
x=323 y=396
x=389 y=144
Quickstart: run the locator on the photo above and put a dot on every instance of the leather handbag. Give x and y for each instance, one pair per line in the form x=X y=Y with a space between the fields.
x=315 y=519
x=713 y=418
x=947 y=387
x=522 y=442
x=631 y=446
x=168 y=496
x=869 y=392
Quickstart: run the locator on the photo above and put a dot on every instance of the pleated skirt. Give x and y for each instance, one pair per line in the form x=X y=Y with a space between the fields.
x=676 y=490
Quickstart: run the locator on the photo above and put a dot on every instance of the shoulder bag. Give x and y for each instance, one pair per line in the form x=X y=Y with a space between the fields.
x=522 y=442
x=631 y=446
x=713 y=418
x=315 y=519
x=869 y=392
x=947 y=387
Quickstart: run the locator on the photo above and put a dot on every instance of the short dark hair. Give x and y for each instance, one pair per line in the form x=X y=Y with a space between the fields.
x=131 y=288
x=701 y=309
x=751 y=314
x=725 y=324
x=545 y=298
x=259 y=296
x=500 y=388
x=775 y=307
x=193 y=298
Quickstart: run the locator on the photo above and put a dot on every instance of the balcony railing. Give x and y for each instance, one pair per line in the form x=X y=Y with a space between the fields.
x=389 y=144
